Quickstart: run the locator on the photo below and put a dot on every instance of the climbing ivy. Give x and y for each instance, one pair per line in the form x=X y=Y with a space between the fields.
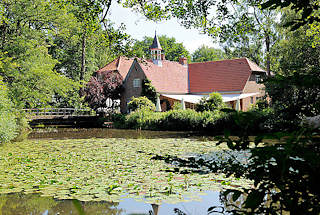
x=149 y=91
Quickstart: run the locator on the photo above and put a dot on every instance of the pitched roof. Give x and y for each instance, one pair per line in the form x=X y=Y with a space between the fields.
x=156 y=43
x=171 y=77
x=121 y=64
x=224 y=75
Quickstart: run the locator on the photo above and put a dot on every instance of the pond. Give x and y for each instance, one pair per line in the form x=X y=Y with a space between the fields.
x=104 y=171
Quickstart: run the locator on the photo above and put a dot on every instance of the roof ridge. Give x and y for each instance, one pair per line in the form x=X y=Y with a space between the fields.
x=219 y=60
x=254 y=64
x=119 y=61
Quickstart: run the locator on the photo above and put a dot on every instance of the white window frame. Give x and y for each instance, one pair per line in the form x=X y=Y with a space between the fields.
x=136 y=82
x=258 y=78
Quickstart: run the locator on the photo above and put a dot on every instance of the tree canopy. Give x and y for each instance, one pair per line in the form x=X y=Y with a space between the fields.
x=205 y=53
x=101 y=87
x=171 y=48
x=55 y=41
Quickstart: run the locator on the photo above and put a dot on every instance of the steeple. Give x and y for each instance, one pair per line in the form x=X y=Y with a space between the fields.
x=156 y=44
x=155 y=49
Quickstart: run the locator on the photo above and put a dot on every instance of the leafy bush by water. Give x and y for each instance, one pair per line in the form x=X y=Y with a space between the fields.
x=215 y=122
x=8 y=126
x=177 y=120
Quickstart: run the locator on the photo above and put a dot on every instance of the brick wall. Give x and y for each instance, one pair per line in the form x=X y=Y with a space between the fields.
x=135 y=72
x=252 y=87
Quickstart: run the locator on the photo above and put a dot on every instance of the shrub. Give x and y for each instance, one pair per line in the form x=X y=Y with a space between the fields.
x=23 y=127
x=143 y=118
x=182 y=120
x=8 y=125
x=177 y=106
x=251 y=122
x=141 y=103
x=211 y=103
x=118 y=120
x=174 y=120
x=214 y=122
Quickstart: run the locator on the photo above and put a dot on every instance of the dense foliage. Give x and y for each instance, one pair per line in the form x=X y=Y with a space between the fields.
x=210 y=122
x=141 y=103
x=285 y=174
x=211 y=103
x=103 y=86
x=182 y=120
x=8 y=125
x=60 y=42
x=149 y=91
x=205 y=53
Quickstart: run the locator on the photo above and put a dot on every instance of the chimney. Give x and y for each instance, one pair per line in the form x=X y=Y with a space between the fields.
x=163 y=56
x=183 y=61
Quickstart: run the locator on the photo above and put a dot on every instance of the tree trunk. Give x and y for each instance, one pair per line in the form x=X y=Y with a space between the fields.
x=267 y=36
x=83 y=55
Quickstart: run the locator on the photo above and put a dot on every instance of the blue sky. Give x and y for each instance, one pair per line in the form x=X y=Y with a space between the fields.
x=138 y=27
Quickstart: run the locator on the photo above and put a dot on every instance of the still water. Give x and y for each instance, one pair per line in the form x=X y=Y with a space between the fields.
x=74 y=133
x=34 y=204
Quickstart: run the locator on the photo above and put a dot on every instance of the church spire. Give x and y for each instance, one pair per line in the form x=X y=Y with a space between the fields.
x=156 y=44
x=155 y=49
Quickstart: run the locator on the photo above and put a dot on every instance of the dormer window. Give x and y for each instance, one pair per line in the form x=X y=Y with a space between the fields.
x=258 y=79
x=136 y=82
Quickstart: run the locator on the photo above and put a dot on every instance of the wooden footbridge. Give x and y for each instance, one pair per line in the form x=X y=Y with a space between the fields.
x=51 y=113
x=66 y=117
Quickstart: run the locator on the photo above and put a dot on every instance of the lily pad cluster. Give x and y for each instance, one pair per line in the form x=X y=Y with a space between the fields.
x=107 y=169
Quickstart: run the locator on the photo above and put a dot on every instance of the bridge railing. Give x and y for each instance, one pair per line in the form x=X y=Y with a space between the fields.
x=59 y=112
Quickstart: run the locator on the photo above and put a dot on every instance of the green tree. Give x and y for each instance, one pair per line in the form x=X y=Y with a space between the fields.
x=204 y=53
x=101 y=87
x=171 y=48
x=45 y=41
x=294 y=91
x=211 y=103
x=250 y=32
x=27 y=31
x=309 y=10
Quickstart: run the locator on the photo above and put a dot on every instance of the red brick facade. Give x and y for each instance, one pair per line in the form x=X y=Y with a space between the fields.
x=135 y=72
x=252 y=87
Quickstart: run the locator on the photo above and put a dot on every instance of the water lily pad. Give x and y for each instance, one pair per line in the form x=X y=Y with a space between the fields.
x=108 y=169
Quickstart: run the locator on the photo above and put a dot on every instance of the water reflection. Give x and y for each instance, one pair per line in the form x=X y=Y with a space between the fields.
x=34 y=204
x=73 y=133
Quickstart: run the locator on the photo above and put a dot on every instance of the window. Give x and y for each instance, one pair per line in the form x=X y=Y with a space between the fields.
x=258 y=79
x=136 y=82
x=251 y=100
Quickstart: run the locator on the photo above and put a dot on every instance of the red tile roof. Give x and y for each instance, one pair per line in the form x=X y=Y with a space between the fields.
x=121 y=64
x=224 y=75
x=171 y=77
